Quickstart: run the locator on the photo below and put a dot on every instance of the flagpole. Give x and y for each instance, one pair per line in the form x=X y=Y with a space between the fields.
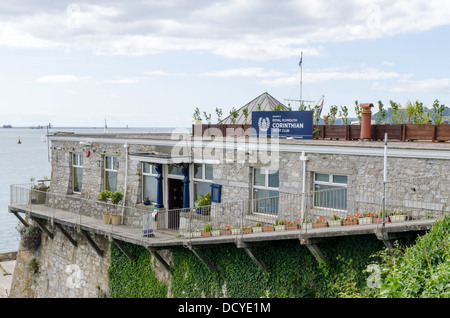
x=301 y=78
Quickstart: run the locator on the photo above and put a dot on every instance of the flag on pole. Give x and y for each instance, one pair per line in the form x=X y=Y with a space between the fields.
x=301 y=58
x=321 y=106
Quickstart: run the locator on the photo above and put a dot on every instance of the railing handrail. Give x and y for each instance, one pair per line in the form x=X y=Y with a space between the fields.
x=241 y=213
x=3 y=290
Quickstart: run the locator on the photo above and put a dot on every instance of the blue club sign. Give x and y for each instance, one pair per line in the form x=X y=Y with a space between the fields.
x=282 y=124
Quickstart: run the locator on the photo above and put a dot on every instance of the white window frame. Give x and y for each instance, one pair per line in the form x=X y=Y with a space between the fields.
x=173 y=176
x=202 y=179
x=203 y=169
x=264 y=187
x=77 y=166
x=149 y=174
x=330 y=182
x=111 y=169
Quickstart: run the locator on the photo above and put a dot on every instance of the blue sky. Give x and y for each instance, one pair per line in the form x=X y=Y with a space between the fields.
x=150 y=63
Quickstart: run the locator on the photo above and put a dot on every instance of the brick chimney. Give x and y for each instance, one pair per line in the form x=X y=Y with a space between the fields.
x=366 y=118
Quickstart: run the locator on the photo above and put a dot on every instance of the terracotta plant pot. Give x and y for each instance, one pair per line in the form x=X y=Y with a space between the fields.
x=225 y=232
x=268 y=228
x=350 y=222
x=206 y=233
x=380 y=220
x=320 y=224
x=247 y=231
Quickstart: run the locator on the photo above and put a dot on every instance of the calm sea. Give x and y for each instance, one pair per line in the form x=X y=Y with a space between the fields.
x=21 y=162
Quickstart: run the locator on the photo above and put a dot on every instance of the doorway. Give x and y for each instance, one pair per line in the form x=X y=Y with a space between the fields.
x=175 y=202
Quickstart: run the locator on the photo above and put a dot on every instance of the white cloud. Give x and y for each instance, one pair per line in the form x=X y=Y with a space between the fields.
x=129 y=80
x=59 y=79
x=318 y=77
x=233 y=29
x=157 y=73
x=428 y=85
x=245 y=72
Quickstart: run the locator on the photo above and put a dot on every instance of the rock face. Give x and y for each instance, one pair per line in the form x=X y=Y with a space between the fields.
x=61 y=270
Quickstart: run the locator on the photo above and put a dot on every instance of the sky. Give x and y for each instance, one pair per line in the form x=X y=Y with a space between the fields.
x=151 y=63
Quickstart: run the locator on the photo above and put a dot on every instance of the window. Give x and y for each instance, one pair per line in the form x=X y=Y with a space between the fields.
x=175 y=171
x=111 y=169
x=203 y=177
x=149 y=182
x=330 y=191
x=265 y=190
x=77 y=172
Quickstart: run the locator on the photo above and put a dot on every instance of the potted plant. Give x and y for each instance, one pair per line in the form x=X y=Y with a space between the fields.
x=320 y=222
x=197 y=116
x=379 y=219
x=246 y=230
x=147 y=200
x=207 y=230
x=335 y=221
x=116 y=197
x=350 y=220
x=397 y=217
x=257 y=228
x=268 y=228
x=226 y=230
x=235 y=231
x=280 y=226
x=38 y=193
x=366 y=218
x=105 y=195
x=306 y=224
x=292 y=225
x=202 y=204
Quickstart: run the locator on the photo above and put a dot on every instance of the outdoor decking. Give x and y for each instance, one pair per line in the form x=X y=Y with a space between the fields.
x=165 y=240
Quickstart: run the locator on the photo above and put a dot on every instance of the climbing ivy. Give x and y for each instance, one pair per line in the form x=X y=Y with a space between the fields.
x=133 y=279
x=292 y=271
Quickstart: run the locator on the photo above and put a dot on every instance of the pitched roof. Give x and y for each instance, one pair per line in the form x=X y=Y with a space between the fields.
x=264 y=102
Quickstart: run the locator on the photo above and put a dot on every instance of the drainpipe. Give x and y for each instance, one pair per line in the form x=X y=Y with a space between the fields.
x=126 y=181
x=304 y=159
x=366 y=118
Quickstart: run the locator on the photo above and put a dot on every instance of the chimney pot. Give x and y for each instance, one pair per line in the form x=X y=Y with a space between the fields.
x=366 y=119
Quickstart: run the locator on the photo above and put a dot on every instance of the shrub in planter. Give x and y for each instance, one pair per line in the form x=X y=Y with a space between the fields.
x=104 y=195
x=116 y=197
x=31 y=237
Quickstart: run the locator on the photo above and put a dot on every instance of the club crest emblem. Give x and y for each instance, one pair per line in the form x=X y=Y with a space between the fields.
x=263 y=123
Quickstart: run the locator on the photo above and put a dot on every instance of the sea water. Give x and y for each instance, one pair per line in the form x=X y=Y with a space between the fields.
x=20 y=162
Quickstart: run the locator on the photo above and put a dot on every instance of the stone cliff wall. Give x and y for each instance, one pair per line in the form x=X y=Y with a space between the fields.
x=63 y=270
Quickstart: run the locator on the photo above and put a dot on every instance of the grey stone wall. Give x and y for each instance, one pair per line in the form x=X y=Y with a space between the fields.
x=234 y=173
x=64 y=271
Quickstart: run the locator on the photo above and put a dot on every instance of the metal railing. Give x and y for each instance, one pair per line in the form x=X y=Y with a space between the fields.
x=412 y=198
x=80 y=211
x=3 y=291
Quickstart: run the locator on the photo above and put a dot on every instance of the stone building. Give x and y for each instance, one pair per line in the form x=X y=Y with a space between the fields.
x=227 y=182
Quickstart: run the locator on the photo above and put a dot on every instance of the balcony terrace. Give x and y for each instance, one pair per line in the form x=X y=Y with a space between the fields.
x=285 y=217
